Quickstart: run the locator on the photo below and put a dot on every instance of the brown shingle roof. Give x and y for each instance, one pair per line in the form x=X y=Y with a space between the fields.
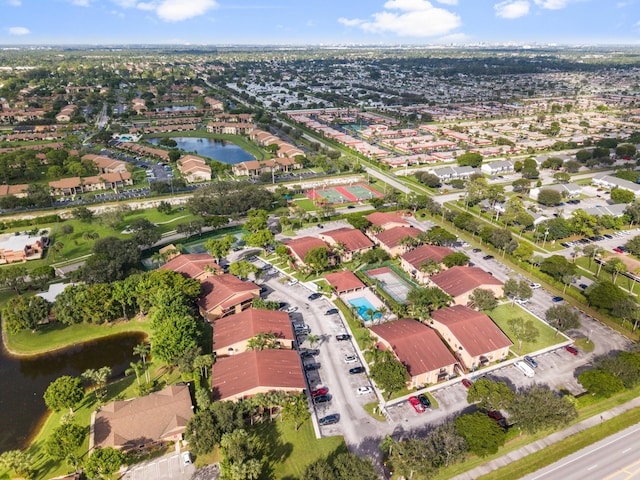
x=223 y=289
x=383 y=218
x=475 y=331
x=391 y=238
x=344 y=281
x=158 y=416
x=249 y=323
x=417 y=346
x=270 y=369
x=420 y=255
x=191 y=265
x=459 y=280
x=352 y=239
x=301 y=246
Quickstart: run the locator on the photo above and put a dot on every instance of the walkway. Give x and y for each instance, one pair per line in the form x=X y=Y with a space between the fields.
x=547 y=441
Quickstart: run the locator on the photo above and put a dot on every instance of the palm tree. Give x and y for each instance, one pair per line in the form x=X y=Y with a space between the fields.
x=203 y=363
x=136 y=367
x=313 y=340
x=56 y=248
x=142 y=350
x=262 y=341
x=98 y=378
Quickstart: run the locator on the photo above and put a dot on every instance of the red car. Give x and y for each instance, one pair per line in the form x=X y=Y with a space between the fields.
x=617 y=250
x=466 y=382
x=571 y=349
x=319 y=391
x=415 y=403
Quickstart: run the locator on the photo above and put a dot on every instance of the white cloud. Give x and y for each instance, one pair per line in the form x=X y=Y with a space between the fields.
x=19 y=31
x=81 y=3
x=552 y=4
x=448 y=2
x=511 y=9
x=170 y=10
x=416 y=18
x=15 y=3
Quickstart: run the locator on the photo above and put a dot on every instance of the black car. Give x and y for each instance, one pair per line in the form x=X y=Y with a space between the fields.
x=351 y=206
x=426 y=403
x=488 y=257
x=308 y=353
x=329 y=420
x=312 y=366
x=314 y=296
x=321 y=399
x=476 y=250
x=343 y=336
x=356 y=370
x=331 y=311
x=557 y=299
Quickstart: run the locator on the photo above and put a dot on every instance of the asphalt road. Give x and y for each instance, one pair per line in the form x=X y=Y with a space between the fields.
x=168 y=467
x=615 y=458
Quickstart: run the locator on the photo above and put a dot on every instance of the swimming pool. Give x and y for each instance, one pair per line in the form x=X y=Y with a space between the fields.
x=363 y=306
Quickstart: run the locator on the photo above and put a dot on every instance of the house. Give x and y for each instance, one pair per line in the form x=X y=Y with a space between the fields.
x=106 y=164
x=567 y=190
x=347 y=242
x=253 y=168
x=608 y=181
x=224 y=295
x=616 y=210
x=472 y=335
x=257 y=371
x=194 y=169
x=418 y=348
x=198 y=266
x=386 y=220
x=499 y=167
x=18 y=191
x=104 y=181
x=452 y=173
x=66 y=113
x=460 y=282
x=299 y=247
x=412 y=261
x=144 y=422
x=20 y=247
x=344 y=282
x=232 y=333
x=391 y=240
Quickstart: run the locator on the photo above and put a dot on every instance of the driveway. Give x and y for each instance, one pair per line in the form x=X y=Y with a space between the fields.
x=169 y=467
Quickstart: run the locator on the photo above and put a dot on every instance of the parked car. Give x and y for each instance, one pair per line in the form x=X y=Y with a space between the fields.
x=618 y=250
x=532 y=363
x=498 y=418
x=309 y=353
x=291 y=309
x=524 y=368
x=476 y=250
x=424 y=400
x=487 y=257
x=350 y=359
x=522 y=301
x=583 y=286
x=309 y=367
x=186 y=458
x=319 y=391
x=343 y=336
x=415 y=403
x=364 y=390
x=292 y=282
x=557 y=299
x=467 y=383
x=329 y=420
x=534 y=286
x=356 y=370
x=314 y=296
x=321 y=399
x=331 y=311
x=571 y=349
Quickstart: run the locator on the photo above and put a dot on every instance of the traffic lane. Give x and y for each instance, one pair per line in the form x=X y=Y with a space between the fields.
x=614 y=457
x=168 y=467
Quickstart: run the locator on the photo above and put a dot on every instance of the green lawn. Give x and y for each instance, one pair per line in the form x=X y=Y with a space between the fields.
x=503 y=313
x=56 y=336
x=306 y=204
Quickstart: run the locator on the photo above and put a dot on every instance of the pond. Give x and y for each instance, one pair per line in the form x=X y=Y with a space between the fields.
x=24 y=380
x=220 y=150
x=176 y=108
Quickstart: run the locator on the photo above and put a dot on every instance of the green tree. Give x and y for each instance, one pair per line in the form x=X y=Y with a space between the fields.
x=19 y=462
x=296 y=410
x=389 y=374
x=455 y=259
x=428 y=299
x=490 y=395
x=562 y=317
x=483 y=435
x=103 y=462
x=220 y=248
x=144 y=233
x=349 y=466
x=320 y=469
x=99 y=378
x=25 y=313
x=64 y=440
x=470 y=159
x=483 y=299
x=619 y=195
x=558 y=266
x=548 y=196
x=256 y=220
x=523 y=331
x=83 y=214
x=64 y=392
x=239 y=450
x=13 y=277
x=260 y=238
x=600 y=383
x=41 y=275
x=242 y=269
x=317 y=259
x=538 y=408
x=615 y=266
x=605 y=295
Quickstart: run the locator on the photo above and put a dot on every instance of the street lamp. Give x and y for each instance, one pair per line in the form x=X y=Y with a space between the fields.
x=546 y=232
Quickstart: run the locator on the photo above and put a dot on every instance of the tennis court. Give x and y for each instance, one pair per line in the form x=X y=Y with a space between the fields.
x=343 y=194
x=391 y=282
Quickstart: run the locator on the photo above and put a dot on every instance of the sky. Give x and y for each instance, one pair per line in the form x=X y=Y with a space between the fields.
x=319 y=22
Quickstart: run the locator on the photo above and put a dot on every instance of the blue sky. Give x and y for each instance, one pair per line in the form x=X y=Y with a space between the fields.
x=222 y=22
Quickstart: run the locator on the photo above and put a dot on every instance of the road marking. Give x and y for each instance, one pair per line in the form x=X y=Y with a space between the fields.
x=626 y=450
x=592 y=467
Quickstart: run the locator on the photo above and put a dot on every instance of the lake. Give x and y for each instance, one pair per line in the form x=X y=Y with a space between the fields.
x=220 y=150
x=24 y=380
x=176 y=108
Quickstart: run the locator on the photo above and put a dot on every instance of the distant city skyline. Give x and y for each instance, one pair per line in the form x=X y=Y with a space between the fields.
x=326 y=22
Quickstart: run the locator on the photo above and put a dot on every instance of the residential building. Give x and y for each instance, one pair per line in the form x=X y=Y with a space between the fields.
x=386 y=220
x=257 y=371
x=608 y=181
x=66 y=114
x=472 y=335
x=299 y=247
x=19 y=191
x=232 y=334
x=194 y=169
x=198 y=266
x=498 y=167
x=224 y=295
x=344 y=282
x=452 y=173
x=141 y=423
x=20 y=247
x=418 y=348
x=347 y=242
x=106 y=164
x=392 y=240
x=413 y=261
x=567 y=190
x=460 y=282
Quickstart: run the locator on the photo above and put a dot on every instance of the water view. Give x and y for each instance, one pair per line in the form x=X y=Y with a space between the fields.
x=24 y=380
x=176 y=108
x=220 y=150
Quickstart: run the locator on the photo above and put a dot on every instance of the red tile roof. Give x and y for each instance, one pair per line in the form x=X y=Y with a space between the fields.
x=476 y=332
x=344 y=281
x=191 y=265
x=301 y=246
x=352 y=239
x=158 y=416
x=270 y=369
x=417 y=346
x=458 y=280
x=383 y=218
x=225 y=290
x=391 y=238
x=420 y=255
x=248 y=323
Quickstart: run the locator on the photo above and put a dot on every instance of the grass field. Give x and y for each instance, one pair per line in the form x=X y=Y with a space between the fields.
x=306 y=204
x=505 y=312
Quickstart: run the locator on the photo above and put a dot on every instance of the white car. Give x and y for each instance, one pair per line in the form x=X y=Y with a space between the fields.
x=534 y=285
x=186 y=458
x=292 y=282
x=364 y=390
x=350 y=359
x=292 y=309
x=522 y=301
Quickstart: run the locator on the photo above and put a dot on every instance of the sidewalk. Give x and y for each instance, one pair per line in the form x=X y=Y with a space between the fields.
x=547 y=441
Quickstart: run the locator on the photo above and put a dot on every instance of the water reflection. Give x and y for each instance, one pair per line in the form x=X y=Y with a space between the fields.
x=220 y=150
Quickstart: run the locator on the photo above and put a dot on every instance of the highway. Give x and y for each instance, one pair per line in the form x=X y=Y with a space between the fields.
x=615 y=458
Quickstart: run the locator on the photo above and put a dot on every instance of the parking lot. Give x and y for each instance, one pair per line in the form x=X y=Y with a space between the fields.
x=169 y=467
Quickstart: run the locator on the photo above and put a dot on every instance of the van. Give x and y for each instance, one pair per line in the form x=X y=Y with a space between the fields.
x=524 y=368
